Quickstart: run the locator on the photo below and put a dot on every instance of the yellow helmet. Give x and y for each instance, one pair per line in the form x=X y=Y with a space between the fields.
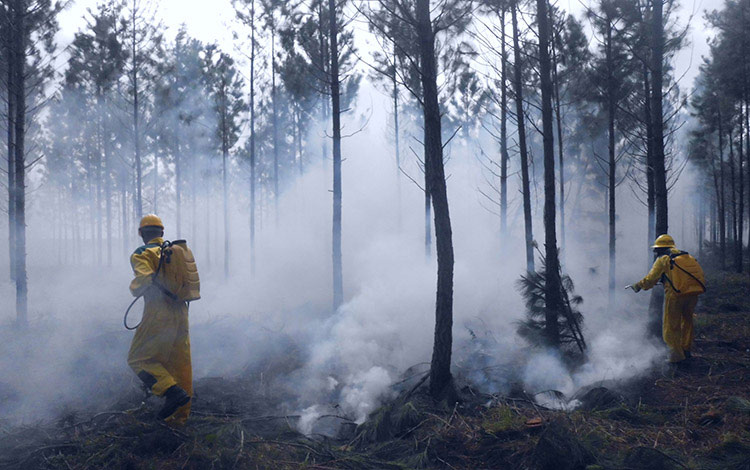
x=663 y=241
x=151 y=220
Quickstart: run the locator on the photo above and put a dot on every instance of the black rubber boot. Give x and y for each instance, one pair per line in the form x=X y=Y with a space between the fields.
x=176 y=397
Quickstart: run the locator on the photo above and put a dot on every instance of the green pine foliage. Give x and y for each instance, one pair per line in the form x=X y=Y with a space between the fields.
x=570 y=319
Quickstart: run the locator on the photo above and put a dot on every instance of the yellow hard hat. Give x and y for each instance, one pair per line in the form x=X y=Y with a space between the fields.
x=151 y=220
x=663 y=241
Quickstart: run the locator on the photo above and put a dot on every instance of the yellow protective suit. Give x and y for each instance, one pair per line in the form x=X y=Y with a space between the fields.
x=160 y=351
x=677 y=324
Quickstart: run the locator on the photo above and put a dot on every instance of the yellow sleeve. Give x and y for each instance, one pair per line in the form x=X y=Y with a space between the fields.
x=660 y=267
x=143 y=268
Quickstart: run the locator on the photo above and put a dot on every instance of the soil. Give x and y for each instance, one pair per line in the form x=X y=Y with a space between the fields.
x=692 y=416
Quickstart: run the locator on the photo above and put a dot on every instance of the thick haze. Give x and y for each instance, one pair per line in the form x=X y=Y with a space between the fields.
x=77 y=345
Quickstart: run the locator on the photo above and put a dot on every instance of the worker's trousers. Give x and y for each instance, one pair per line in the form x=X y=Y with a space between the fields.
x=160 y=351
x=677 y=327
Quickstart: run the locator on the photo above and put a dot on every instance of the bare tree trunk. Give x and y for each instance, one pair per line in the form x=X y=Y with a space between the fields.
x=738 y=255
x=275 y=126
x=338 y=284
x=611 y=106
x=136 y=123
x=11 y=142
x=108 y=191
x=178 y=170
x=124 y=213
x=441 y=382
x=650 y=193
x=297 y=134
x=560 y=147
x=722 y=199
x=553 y=302
x=20 y=164
x=733 y=194
x=253 y=177
x=324 y=68
x=521 y=120
x=503 y=134
x=194 y=200
x=661 y=221
x=427 y=222
x=396 y=131
x=657 y=117
x=747 y=135
x=224 y=176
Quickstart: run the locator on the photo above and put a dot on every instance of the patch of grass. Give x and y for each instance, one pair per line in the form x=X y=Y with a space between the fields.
x=501 y=419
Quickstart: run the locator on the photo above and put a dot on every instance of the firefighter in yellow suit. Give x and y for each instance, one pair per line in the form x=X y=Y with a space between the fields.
x=677 y=324
x=160 y=351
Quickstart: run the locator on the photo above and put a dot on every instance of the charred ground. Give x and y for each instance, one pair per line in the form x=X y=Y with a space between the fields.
x=693 y=416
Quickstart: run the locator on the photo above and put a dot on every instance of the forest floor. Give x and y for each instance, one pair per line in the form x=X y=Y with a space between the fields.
x=693 y=416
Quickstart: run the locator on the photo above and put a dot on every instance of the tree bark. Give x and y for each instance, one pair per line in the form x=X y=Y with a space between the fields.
x=560 y=146
x=440 y=367
x=521 y=119
x=650 y=194
x=136 y=121
x=738 y=255
x=611 y=106
x=733 y=196
x=661 y=220
x=657 y=118
x=275 y=125
x=11 y=143
x=722 y=198
x=20 y=163
x=396 y=138
x=503 y=134
x=108 y=188
x=253 y=177
x=553 y=302
x=225 y=172
x=338 y=284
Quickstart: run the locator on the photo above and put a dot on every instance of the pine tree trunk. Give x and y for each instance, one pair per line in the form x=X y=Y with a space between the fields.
x=738 y=255
x=747 y=137
x=650 y=199
x=124 y=218
x=503 y=133
x=136 y=124
x=661 y=220
x=275 y=127
x=722 y=199
x=225 y=177
x=338 y=284
x=108 y=191
x=253 y=177
x=657 y=118
x=99 y=174
x=521 y=120
x=611 y=106
x=178 y=191
x=560 y=146
x=324 y=65
x=553 y=302
x=733 y=195
x=396 y=131
x=440 y=368
x=11 y=143
x=20 y=164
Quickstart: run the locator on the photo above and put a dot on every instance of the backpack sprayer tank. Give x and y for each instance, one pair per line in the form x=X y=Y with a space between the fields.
x=178 y=273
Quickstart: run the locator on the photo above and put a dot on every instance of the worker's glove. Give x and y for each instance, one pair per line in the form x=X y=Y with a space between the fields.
x=635 y=287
